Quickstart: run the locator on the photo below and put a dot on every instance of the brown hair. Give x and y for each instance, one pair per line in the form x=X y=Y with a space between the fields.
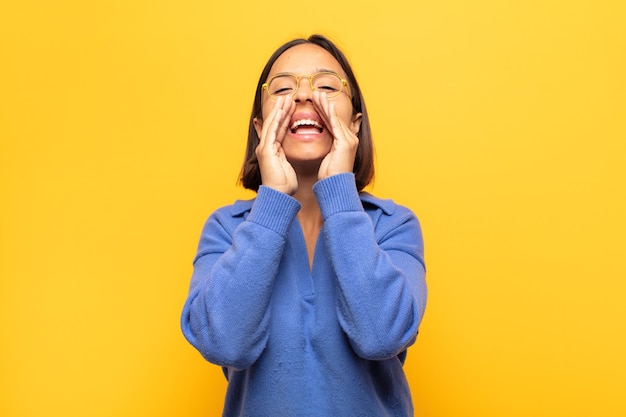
x=250 y=176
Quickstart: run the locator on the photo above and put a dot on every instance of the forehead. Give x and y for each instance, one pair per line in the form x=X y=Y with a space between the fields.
x=306 y=59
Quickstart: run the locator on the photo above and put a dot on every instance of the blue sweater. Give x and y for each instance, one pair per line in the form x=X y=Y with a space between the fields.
x=296 y=341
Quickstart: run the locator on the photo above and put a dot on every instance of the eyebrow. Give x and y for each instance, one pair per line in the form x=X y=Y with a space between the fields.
x=316 y=71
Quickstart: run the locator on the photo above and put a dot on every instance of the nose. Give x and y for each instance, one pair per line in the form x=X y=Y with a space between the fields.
x=304 y=92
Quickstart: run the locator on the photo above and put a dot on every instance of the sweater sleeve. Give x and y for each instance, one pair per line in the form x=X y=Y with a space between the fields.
x=379 y=267
x=226 y=313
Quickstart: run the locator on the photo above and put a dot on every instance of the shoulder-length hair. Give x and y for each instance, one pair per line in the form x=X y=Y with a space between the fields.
x=250 y=176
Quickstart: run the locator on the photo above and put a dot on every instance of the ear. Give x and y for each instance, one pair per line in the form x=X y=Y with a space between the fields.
x=355 y=124
x=258 y=126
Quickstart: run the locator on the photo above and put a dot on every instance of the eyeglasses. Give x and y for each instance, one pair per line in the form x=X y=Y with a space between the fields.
x=286 y=84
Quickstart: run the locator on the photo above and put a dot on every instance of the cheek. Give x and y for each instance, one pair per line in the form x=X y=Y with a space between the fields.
x=345 y=113
x=266 y=106
x=343 y=107
x=265 y=110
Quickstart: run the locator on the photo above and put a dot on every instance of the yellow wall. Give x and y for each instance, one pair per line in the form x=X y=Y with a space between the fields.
x=501 y=124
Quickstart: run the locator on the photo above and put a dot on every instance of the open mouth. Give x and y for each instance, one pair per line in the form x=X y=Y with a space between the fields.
x=306 y=126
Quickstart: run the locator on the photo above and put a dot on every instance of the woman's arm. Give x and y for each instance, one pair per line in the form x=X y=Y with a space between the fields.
x=226 y=314
x=380 y=270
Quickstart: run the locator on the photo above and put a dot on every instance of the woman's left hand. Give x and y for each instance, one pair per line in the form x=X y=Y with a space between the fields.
x=340 y=159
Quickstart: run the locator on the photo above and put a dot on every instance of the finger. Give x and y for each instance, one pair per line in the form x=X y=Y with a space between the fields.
x=270 y=126
x=265 y=126
x=288 y=108
x=351 y=137
x=336 y=123
x=320 y=102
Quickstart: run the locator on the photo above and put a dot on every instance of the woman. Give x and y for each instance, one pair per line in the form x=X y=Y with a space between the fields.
x=309 y=295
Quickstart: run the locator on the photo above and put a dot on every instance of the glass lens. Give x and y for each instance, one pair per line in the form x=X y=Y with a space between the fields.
x=287 y=84
x=282 y=85
x=327 y=82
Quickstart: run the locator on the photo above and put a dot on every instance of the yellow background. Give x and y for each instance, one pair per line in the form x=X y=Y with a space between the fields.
x=500 y=123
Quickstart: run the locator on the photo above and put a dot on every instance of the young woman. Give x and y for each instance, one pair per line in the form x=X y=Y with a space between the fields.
x=309 y=295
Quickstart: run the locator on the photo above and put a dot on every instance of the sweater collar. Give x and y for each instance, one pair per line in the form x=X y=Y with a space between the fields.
x=387 y=206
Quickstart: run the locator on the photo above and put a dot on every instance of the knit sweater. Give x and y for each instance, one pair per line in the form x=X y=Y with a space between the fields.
x=298 y=341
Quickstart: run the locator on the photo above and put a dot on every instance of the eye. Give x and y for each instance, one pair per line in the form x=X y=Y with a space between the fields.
x=327 y=82
x=282 y=85
x=282 y=91
x=328 y=88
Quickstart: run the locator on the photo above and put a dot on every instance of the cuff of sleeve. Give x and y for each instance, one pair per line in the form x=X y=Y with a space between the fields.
x=274 y=210
x=337 y=193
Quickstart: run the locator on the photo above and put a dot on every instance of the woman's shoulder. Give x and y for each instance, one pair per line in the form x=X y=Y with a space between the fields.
x=385 y=206
x=232 y=214
x=389 y=216
x=239 y=208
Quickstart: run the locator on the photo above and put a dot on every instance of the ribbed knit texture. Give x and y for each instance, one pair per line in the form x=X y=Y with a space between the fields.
x=337 y=193
x=274 y=210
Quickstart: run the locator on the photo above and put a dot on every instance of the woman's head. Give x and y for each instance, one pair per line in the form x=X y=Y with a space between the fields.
x=364 y=160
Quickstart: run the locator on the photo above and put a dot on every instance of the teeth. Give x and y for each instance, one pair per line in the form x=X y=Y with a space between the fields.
x=305 y=122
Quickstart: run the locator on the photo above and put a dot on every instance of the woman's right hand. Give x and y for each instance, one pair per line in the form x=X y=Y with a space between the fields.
x=276 y=171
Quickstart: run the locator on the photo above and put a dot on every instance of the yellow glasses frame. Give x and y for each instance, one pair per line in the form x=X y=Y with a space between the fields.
x=344 y=83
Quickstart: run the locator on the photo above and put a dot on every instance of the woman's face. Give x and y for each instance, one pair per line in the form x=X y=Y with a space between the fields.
x=304 y=141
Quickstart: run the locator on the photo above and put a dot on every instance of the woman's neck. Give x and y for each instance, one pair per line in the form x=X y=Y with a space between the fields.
x=310 y=210
x=310 y=215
